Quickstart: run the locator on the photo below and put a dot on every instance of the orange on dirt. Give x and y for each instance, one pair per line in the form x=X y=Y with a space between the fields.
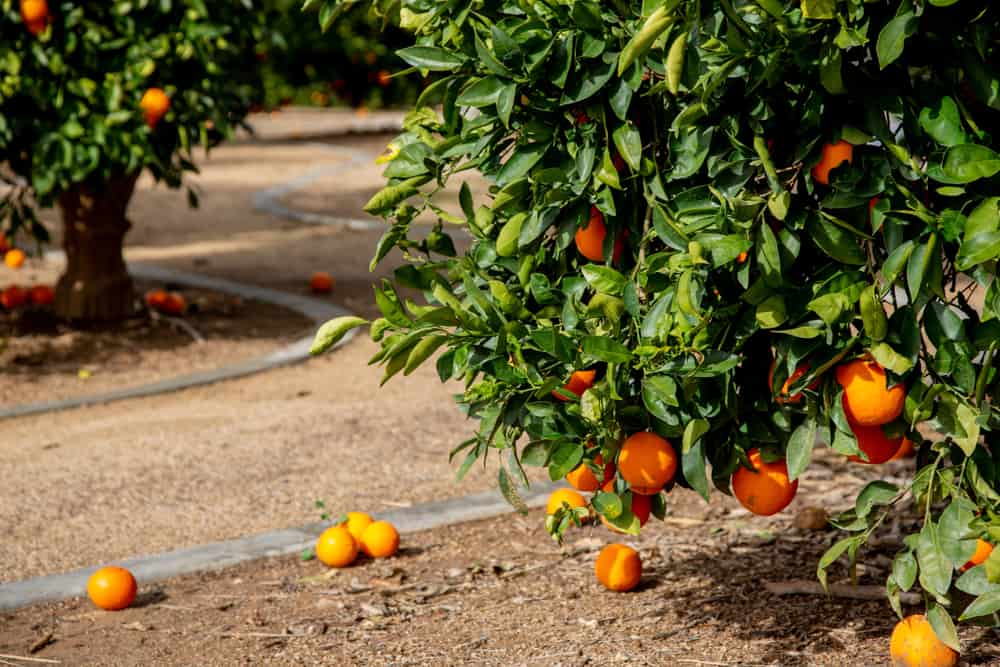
x=618 y=568
x=590 y=239
x=112 y=588
x=642 y=507
x=321 y=282
x=906 y=450
x=42 y=295
x=13 y=297
x=154 y=105
x=14 y=258
x=983 y=551
x=647 y=462
x=380 y=540
x=914 y=644
x=833 y=156
x=579 y=382
x=784 y=398
x=356 y=523
x=174 y=304
x=874 y=443
x=156 y=298
x=336 y=547
x=582 y=478
x=868 y=400
x=766 y=489
x=568 y=496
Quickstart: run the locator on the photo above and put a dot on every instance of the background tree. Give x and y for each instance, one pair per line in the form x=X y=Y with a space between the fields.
x=756 y=225
x=91 y=95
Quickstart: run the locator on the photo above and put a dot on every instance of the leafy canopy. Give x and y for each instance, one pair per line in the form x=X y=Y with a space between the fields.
x=693 y=127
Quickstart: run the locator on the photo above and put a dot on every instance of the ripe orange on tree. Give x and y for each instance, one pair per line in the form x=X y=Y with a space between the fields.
x=579 y=382
x=112 y=588
x=618 y=568
x=590 y=238
x=154 y=104
x=357 y=522
x=380 y=540
x=742 y=257
x=833 y=155
x=868 y=401
x=336 y=547
x=567 y=496
x=784 y=398
x=321 y=282
x=983 y=551
x=582 y=478
x=766 y=489
x=647 y=462
x=642 y=507
x=35 y=14
x=42 y=295
x=914 y=644
x=13 y=297
x=906 y=450
x=14 y=258
x=874 y=443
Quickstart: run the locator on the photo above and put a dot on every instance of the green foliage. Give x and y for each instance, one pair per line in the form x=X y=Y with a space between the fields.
x=69 y=97
x=693 y=128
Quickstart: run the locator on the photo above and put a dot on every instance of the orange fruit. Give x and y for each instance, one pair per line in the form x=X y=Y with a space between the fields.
x=321 y=282
x=983 y=551
x=765 y=490
x=914 y=644
x=156 y=298
x=868 y=401
x=642 y=506
x=13 y=297
x=579 y=382
x=174 y=304
x=42 y=295
x=356 y=524
x=112 y=588
x=647 y=462
x=783 y=398
x=618 y=567
x=742 y=257
x=874 y=443
x=14 y=258
x=906 y=450
x=336 y=547
x=590 y=239
x=582 y=478
x=4 y=243
x=833 y=156
x=380 y=540
x=560 y=496
x=384 y=78
x=154 y=105
x=35 y=14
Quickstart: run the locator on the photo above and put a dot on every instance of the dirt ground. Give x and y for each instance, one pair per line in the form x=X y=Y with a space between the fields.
x=500 y=592
x=44 y=360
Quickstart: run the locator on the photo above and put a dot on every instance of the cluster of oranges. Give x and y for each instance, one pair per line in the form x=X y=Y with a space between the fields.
x=14 y=297
x=339 y=545
x=167 y=303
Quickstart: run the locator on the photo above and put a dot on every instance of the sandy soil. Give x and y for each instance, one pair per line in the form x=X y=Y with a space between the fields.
x=500 y=592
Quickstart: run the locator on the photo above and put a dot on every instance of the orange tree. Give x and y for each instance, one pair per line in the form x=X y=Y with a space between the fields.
x=766 y=226
x=92 y=94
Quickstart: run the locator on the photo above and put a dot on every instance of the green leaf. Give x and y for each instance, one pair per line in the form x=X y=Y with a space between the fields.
x=604 y=279
x=829 y=307
x=692 y=432
x=564 y=459
x=873 y=314
x=835 y=241
x=818 y=9
x=482 y=93
x=904 y=570
x=916 y=267
x=971 y=162
x=659 y=394
x=984 y=605
x=422 y=351
x=831 y=556
x=935 y=568
x=629 y=144
x=892 y=38
x=333 y=331
x=521 y=162
x=875 y=493
x=654 y=26
x=608 y=504
x=798 y=454
x=431 y=58
x=943 y=626
x=771 y=313
x=889 y=358
x=693 y=468
x=943 y=124
x=509 y=491
x=606 y=349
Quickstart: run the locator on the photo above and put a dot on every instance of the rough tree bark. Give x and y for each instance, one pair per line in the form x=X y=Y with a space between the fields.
x=96 y=286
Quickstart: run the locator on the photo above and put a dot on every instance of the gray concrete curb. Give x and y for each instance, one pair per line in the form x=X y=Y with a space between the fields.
x=316 y=310
x=219 y=555
x=267 y=200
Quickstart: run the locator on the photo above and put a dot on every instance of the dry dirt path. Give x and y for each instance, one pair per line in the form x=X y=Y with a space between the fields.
x=143 y=476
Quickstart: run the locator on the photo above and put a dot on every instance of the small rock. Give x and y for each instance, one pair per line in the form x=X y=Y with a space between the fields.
x=812 y=518
x=454 y=573
x=370 y=610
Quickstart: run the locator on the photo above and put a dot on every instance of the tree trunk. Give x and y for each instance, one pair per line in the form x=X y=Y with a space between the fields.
x=96 y=286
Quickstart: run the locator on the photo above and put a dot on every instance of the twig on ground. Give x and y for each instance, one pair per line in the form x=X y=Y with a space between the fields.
x=182 y=324
x=42 y=642
x=47 y=661
x=801 y=587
